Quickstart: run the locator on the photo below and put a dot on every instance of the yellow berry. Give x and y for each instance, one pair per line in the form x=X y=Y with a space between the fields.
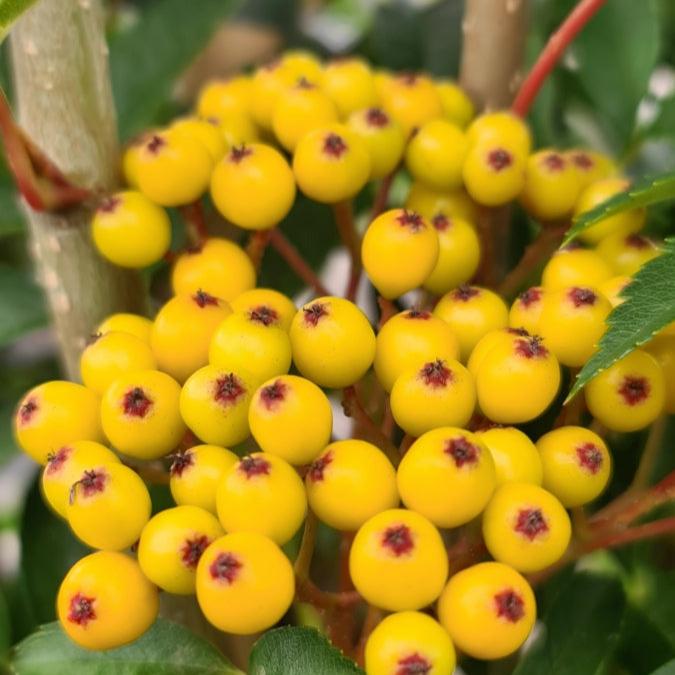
x=398 y=561
x=412 y=100
x=130 y=230
x=399 y=251
x=262 y=493
x=662 y=348
x=627 y=253
x=488 y=609
x=204 y=131
x=171 y=545
x=349 y=84
x=486 y=344
x=140 y=415
x=123 y=322
x=515 y=456
x=245 y=583
x=526 y=527
x=268 y=85
x=612 y=289
x=457 y=106
x=302 y=64
x=54 y=414
x=222 y=96
x=131 y=157
x=574 y=266
x=105 y=601
x=266 y=301
x=501 y=126
x=434 y=203
x=526 y=309
x=236 y=128
x=292 y=418
x=332 y=341
x=590 y=166
x=354 y=468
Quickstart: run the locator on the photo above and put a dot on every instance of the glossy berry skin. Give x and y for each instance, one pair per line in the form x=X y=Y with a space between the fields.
x=488 y=609
x=218 y=267
x=575 y=267
x=124 y=322
x=352 y=467
x=245 y=583
x=268 y=301
x=112 y=355
x=252 y=341
x=214 y=404
x=383 y=137
x=577 y=464
x=439 y=394
x=253 y=186
x=349 y=83
x=409 y=340
x=332 y=341
x=172 y=169
x=526 y=309
x=412 y=100
x=627 y=253
x=572 y=322
x=625 y=222
x=171 y=545
x=204 y=131
x=262 y=493
x=302 y=109
x=628 y=395
x=236 y=127
x=292 y=418
x=140 y=415
x=591 y=166
x=526 y=527
x=551 y=186
x=129 y=230
x=221 y=96
x=515 y=456
x=105 y=601
x=108 y=507
x=447 y=475
x=521 y=364
x=399 y=251
x=471 y=312
x=662 y=348
x=196 y=474
x=458 y=254
x=54 y=414
x=331 y=163
x=433 y=203
x=398 y=561
x=612 y=289
x=409 y=642
x=436 y=153
x=501 y=126
x=66 y=465
x=182 y=332
x=268 y=85
x=457 y=106
x=488 y=342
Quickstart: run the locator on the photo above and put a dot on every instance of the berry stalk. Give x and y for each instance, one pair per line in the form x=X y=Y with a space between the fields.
x=295 y=260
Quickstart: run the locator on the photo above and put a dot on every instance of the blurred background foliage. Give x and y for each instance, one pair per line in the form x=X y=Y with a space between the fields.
x=614 y=91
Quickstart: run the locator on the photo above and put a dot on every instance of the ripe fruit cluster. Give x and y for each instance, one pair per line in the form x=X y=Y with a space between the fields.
x=205 y=389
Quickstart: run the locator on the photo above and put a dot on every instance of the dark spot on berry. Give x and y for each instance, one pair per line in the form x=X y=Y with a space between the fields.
x=553 y=161
x=590 y=457
x=637 y=241
x=155 y=143
x=304 y=83
x=376 y=117
x=522 y=332
x=264 y=314
x=334 y=145
x=462 y=451
x=27 y=410
x=531 y=523
x=634 y=390
x=436 y=374
x=254 y=466
x=499 y=159
x=239 y=152
x=582 y=160
x=509 y=605
x=582 y=296
x=414 y=664
x=56 y=460
x=192 y=550
x=202 y=298
x=441 y=222
x=409 y=79
x=181 y=462
x=411 y=220
x=530 y=297
x=314 y=313
x=465 y=293
x=194 y=249
x=273 y=394
x=109 y=204
x=136 y=403
x=398 y=539
x=225 y=567
x=92 y=482
x=531 y=347
x=81 y=610
x=319 y=465
x=228 y=389
x=417 y=314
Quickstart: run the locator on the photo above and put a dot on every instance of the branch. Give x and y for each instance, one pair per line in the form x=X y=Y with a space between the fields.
x=344 y=219
x=296 y=262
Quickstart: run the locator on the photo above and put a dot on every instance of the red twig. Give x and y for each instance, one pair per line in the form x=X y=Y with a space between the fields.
x=257 y=245
x=344 y=219
x=552 y=52
x=193 y=214
x=387 y=310
x=382 y=195
x=310 y=592
x=295 y=260
x=656 y=528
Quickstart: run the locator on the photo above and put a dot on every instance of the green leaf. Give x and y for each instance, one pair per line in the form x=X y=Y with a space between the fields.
x=147 y=58
x=648 y=191
x=298 y=651
x=581 y=629
x=665 y=669
x=649 y=305
x=166 y=649
x=5 y=627
x=10 y=11
x=22 y=305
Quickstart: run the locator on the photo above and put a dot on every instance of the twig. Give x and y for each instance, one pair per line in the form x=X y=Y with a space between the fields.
x=304 y=559
x=650 y=454
x=257 y=245
x=310 y=592
x=295 y=261
x=382 y=195
x=193 y=214
x=344 y=219
x=387 y=310
x=373 y=617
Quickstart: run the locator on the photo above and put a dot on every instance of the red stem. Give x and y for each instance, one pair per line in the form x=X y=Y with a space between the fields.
x=193 y=214
x=656 y=528
x=382 y=195
x=344 y=219
x=295 y=260
x=257 y=245
x=552 y=52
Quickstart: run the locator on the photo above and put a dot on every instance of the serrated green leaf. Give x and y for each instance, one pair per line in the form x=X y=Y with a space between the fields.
x=649 y=305
x=10 y=11
x=166 y=649
x=298 y=651
x=22 y=305
x=580 y=629
x=648 y=191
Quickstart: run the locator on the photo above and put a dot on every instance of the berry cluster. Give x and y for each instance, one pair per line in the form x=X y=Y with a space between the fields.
x=204 y=389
